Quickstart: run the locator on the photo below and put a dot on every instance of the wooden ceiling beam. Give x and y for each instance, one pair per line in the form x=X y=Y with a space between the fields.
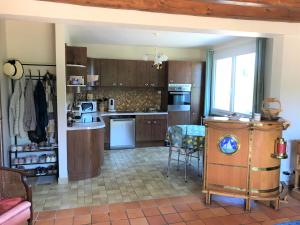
x=272 y=10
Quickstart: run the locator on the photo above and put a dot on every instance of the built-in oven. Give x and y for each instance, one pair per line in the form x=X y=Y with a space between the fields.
x=179 y=97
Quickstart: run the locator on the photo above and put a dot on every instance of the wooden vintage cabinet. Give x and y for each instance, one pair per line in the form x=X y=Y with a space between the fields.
x=179 y=72
x=126 y=73
x=151 y=128
x=76 y=55
x=106 y=130
x=239 y=159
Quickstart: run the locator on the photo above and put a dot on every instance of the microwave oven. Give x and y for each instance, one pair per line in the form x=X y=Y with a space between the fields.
x=87 y=106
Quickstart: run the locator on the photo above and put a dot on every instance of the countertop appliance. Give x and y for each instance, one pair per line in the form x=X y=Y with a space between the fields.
x=86 y=106
x=122 y=132
x=179 y=97
x=111 y=105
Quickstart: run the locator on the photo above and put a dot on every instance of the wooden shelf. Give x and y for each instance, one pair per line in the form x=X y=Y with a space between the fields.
x=27 y=164
x=76 y=85
x=38 y=150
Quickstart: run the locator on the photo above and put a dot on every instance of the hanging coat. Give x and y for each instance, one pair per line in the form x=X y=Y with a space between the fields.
x=16 y=109
x=40 y=111
x=29 y=119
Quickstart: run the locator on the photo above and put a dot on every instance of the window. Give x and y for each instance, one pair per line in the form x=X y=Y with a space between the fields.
x=233 y=81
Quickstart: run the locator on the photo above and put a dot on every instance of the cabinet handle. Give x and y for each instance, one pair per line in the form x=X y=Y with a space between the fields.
x=171 y=81
x=152 y=85
x=114 y=84
x=149 y=122
x=146 y=84
x=154 y=122
x=121 y=84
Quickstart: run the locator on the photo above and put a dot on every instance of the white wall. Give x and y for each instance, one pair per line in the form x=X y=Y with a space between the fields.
x=5 y=89
x=137 y=52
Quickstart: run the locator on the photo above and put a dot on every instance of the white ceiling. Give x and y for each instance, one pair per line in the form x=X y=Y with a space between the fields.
x=142 y=37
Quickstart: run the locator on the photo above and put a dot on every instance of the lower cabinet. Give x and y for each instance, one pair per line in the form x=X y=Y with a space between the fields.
x=85 y=153
x=151 y=128
x=178 y=118
x=106 y=130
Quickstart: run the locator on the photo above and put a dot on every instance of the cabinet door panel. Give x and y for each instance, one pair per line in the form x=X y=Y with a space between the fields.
x=180 y=72
x=109 y=72
x=196 y=74
x=153 y=75
x=178 y=118
x=76 y=55
x=126 y=73
x=143 y=128
x=142 y=74
x=159 y=129
x=106 y=130
x=195 y=105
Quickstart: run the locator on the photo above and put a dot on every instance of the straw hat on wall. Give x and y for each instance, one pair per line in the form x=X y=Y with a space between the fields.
x=13 y=69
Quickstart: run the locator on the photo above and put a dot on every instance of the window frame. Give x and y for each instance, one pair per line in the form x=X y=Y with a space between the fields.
x=229 y=52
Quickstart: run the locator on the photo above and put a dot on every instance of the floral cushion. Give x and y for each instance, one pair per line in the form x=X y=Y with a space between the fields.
x=9 y=203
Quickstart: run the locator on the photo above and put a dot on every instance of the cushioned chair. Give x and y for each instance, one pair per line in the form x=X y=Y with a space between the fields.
x=15 y=198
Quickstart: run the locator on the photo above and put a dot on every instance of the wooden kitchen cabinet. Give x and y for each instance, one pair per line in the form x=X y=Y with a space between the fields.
x=109 y=72
x=76 y=55
x=126 y=73
x=179 y=72
x=149 y=76
x=85 y=153
x=151 y=128
x=106 y=130
x=197 y=92
x=178 y=118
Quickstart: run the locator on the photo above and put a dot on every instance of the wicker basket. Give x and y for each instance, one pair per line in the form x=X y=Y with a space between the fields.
x=268 y=112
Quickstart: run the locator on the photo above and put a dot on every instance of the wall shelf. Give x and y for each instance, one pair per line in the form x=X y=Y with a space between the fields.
x=75 y=65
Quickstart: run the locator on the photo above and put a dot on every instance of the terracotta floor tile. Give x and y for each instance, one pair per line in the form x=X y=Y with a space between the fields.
x=243 y=218
x=100 y=209
x=148 y=203
x=295 y=218
x=189 y=216
x=234 y=209
x=259 y=216
x=180 y=223
x=172 y=218
x=104 y=223
x=64 y=221
x=46 y=215
x=35 y=215
x=120 y=222
x=228 y=220
x=296 y=209
x=45 y=222
x=134 y=213
x=156 y=220
x=132 y=205
x=182 y=207
x=205 y=213
x=212 y=221
x=166 y=209
x=177 y=200
x=288 y=212
x=117 y=207
x=64 y=213
x=100 y=217
x=82 y=211
x=196 y=222
x=197 y=205
x=82 y=219
x=139 y=221
x=192 y=198
x=151 y=211
x=254 y=224
x=219 y=211
x=118 y=215
x=163 y=201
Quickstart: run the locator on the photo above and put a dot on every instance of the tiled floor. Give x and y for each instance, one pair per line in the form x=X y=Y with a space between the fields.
x=127 y=175
x=183 y=210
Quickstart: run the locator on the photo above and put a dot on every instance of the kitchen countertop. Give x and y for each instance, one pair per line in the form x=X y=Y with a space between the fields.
x=131 y=113
x=101 y=124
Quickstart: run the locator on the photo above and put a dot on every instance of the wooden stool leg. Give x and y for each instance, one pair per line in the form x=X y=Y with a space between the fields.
x=208 y=198
x=275 y=204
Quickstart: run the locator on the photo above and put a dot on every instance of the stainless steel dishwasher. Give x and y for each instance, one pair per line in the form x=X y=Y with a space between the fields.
x=122 y=132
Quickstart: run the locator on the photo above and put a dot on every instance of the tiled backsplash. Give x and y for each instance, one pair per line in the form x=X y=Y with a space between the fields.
x=133 y=99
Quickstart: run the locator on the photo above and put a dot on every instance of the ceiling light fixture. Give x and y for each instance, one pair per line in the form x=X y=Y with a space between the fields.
x=158 y=58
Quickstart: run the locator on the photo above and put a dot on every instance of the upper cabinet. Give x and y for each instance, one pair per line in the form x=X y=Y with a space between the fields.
x=128 y=73
x=76 y=55
x=179 y=72
x=149 y=76
x=108 y=72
